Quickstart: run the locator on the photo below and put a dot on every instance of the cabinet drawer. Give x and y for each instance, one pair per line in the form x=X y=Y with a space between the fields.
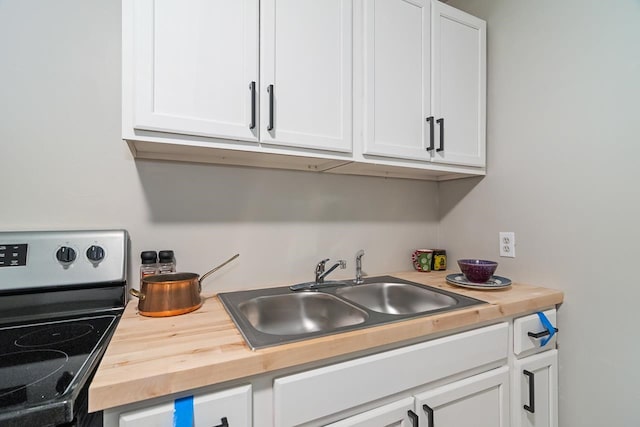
x=523 y=344
x=210 y=409
x=349 y=384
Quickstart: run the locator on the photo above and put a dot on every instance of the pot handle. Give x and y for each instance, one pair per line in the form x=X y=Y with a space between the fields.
x=136 y=293
x=205 y=275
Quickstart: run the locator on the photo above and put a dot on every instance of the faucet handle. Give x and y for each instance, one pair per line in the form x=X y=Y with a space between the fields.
x=320 y=266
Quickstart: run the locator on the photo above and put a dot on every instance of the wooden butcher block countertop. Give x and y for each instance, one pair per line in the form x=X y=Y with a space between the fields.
x=151 y=357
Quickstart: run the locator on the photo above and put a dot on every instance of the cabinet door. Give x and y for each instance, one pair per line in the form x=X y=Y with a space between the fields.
x=396 y=78
x=213 y=409
x=459 y=86
x=396 y=414
x=535 y=384
x=356 y=382
x=193 y=64
x=306 y=55
x=479 y=401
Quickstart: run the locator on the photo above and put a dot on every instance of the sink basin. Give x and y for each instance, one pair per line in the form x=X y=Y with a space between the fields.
x=301 y=313
x=273 y=316
x=396 y=298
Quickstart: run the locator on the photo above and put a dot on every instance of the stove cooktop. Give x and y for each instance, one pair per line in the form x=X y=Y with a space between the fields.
x=43 y=365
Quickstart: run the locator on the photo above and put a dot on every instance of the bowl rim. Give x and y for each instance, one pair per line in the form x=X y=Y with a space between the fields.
x=477 y=261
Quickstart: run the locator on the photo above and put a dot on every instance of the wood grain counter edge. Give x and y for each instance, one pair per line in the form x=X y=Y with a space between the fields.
x=152 y=357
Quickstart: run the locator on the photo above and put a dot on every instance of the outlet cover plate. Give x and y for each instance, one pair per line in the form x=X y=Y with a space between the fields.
x=508 y=244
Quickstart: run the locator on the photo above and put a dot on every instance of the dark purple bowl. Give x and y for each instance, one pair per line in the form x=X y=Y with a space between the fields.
x=477 y=270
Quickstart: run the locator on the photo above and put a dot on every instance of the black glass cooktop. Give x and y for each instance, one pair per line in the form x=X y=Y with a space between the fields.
x=44 y=362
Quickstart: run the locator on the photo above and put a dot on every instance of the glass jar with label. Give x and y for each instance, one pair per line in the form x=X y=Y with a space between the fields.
x=167 y=262
x=149 y=265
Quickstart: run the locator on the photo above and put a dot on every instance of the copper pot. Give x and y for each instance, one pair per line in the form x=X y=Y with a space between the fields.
x=171 y=294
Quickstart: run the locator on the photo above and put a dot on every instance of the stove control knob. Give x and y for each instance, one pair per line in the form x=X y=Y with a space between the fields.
x=66 y=255
x=95 y=254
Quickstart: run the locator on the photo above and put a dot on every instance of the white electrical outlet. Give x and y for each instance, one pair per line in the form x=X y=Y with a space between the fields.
x=508 y=244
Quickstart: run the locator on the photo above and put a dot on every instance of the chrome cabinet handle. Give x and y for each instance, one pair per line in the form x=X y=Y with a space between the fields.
x=441 y=123
x=252 y=88
x=430 y=121
x=270 y=91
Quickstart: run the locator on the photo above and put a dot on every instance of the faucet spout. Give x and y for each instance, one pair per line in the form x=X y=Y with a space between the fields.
x=320 y=275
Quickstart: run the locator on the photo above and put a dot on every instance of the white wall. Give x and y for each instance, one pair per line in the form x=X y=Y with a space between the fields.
x=64 y=165
x=563 y=132
x=563 y=172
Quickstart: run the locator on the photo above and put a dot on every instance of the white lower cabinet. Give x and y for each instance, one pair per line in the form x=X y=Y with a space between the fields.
x=478 y=401
x=493 y=376
x=228 y=408
x=535 y=391
x=346 y=386
x=534 y=374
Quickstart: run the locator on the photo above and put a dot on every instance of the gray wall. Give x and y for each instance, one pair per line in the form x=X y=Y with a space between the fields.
x=563 y=148
x=64 y=165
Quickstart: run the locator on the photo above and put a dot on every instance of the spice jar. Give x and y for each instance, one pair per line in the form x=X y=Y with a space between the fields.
x=167 y=262
x=149 y=265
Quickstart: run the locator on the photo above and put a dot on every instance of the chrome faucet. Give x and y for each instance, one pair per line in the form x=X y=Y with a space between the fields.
x=358 y=280
x=321 y=274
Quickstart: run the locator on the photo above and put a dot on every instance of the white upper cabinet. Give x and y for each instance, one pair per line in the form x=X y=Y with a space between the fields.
x=306 y=73
x=193 y=66
x=423 y=79
x=459 y=86
x=392 y=88
x=396 y=77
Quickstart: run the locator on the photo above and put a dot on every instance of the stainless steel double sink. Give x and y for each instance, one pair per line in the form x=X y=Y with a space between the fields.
x=273 y=316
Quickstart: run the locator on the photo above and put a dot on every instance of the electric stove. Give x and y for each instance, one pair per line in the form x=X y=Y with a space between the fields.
x=61 y=296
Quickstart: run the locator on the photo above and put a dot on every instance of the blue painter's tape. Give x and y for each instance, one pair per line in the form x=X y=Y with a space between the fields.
x=183 y=412
x=548 y=326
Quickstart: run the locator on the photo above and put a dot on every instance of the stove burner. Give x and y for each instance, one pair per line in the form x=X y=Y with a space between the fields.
x=54 y=335
x=14 y=382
